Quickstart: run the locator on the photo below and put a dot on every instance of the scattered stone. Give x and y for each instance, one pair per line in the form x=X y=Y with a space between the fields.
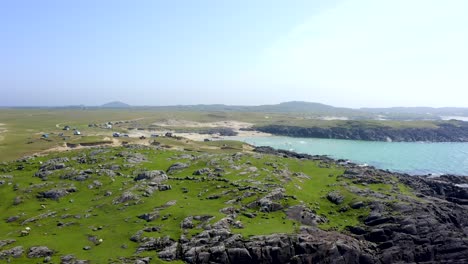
x=137 y=236
x=148 y=217
x=6 y=242
x=304 y=215
x=187 y=223
x=249 y=215
x=15 y=252
x=55 y=194
x=177 y=166
x=202 y=171
x=126 y=197
x=164 y=187
x=152 y=229
x=68 y=259
x=357 y=205
x=39 y=252
x=155 y=176
x=335 y=197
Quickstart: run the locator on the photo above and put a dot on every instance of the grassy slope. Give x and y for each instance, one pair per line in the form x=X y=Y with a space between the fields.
x=119 y=222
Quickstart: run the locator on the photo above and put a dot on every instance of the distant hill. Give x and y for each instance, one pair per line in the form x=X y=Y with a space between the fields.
x=115 y=104
x=304 y=107
x=286 y=107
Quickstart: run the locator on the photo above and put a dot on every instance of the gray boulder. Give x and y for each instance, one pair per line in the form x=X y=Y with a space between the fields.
x=335 y=197
x=177 y=166
x=155 y=176
x=15 y=252
x=55 y=194
x=39 y=252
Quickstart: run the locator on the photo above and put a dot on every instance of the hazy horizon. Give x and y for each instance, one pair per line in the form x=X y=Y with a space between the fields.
x=344 y=53
x=234 y=105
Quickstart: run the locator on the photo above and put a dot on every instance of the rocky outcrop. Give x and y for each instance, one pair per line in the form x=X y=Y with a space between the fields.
x=55 y=194
x=176 y=167
x=445 y=132
x=427 y=225
x=155 y=175
x=39 y=252
x=219 y=245
x=15 y=252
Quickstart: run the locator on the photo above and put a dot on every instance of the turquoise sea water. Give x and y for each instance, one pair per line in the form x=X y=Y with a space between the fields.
x=411 y=158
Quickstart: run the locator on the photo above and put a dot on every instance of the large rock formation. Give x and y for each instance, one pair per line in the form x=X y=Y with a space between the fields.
x=445 y=132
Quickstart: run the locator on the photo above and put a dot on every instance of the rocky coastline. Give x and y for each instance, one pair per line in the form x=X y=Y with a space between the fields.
x=427 y=226
x=417 y=219
x=444 y=133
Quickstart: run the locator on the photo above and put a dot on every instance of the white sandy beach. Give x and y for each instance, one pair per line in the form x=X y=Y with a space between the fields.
x=235 y=125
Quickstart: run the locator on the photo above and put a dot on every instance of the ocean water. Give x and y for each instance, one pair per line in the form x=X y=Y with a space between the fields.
x=406 y=157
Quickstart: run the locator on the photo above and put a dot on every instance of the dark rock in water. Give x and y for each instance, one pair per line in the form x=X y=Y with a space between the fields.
x=177 y=166
x=39 y=252
x=335 y=197
x=15 y=252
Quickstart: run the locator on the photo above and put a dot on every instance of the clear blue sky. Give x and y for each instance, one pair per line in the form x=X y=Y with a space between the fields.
x=345 y=52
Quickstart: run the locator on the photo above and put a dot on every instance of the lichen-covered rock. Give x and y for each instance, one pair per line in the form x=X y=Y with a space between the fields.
x=155 y=176
x=335 y=197
x=126 y=197
x=39 y=252
x=55 y=194
x=202 y=171
x=177 y=166
x=15 y=252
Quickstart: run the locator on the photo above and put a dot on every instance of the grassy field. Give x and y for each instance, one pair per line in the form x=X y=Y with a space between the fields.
x=22 y=129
